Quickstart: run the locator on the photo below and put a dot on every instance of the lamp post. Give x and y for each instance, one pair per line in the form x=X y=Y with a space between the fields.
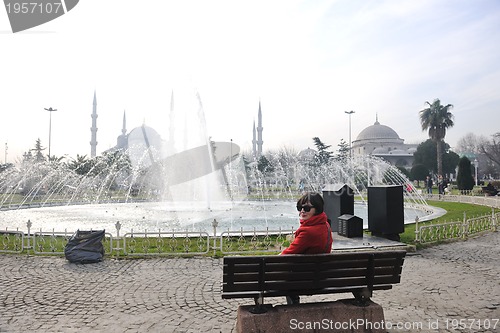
x=50 y=124
x=350 y=144
x=476 y=164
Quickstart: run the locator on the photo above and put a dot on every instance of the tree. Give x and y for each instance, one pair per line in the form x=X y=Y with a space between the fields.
x=247 y=163
x=264 y=166
x=437 y=118
x=492 y=149
x=323 y=156
x=38 y=151
x=27 y=157
x=450 y=161
x=81 y=165
x=6 y=166
x=426 y=155
x=343 y=151
x=118 y=161
x=55 y=159
x=418 y=172
x=404 y=171
x=470 y=143
x=465 y=180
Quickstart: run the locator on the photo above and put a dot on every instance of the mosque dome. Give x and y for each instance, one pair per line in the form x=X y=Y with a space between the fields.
x=144 y=135
x=307 y=154
x=377 y=132
x=145 y=146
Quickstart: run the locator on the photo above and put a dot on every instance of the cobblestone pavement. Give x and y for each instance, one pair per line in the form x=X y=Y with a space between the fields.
x=440 y=286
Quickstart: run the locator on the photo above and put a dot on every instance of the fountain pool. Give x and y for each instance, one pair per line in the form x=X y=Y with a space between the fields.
x=168 y=216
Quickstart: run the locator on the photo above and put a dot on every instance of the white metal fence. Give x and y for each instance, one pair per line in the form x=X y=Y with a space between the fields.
x=467 y=227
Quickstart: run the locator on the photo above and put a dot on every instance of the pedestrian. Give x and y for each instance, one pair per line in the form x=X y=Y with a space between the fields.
x=314 y=234
x=441 y=184
x=428 y=184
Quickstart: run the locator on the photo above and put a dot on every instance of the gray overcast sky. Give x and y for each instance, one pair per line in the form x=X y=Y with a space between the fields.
x=306 y=62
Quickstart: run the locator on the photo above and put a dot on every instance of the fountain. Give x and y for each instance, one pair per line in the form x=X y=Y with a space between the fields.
x=182 y=183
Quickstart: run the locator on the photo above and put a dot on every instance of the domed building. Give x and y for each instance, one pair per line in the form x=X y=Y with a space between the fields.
x=307 y=154
x=143 y=144
x=382 y=141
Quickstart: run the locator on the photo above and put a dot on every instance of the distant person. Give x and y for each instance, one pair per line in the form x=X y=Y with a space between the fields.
x=428 y=184
x=441 y=184
x=314 y=234
x=490 y=189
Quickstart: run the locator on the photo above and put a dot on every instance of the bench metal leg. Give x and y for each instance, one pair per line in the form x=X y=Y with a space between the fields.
x=362 y=297
x=292 y=299
x=260 y=307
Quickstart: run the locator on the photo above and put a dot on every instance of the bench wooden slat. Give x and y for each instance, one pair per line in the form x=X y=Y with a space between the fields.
x=305 y=277
x=294 y=285
x=323 y=283
x=277 y=293
x=266 y=276
x=310 y=275
x=297 y=267
x=238 y=268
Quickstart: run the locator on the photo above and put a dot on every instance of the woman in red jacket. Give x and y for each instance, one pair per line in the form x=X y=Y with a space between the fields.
x=314 y=234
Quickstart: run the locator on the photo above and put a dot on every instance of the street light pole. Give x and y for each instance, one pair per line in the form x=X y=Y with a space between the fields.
x=350 y=143
x=50 y=124
x=476 y=164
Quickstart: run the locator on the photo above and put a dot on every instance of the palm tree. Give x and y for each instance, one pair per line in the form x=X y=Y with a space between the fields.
x=56 y=159
x=81 y=165
x=437 y=118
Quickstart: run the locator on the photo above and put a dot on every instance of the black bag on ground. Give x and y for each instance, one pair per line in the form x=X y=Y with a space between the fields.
x=85 y=247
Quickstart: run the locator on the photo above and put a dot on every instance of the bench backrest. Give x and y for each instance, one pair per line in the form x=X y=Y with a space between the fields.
x=289 y=273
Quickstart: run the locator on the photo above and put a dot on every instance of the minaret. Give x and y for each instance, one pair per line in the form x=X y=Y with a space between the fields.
x=124 y=126
x=254 y=142
x=259 y=134
x=93 y=129
x=122 y=140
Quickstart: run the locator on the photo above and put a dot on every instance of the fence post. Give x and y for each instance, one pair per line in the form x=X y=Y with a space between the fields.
x=214 y=225
x=118 y=226
x=465 y=227
x=417 y=231
x=493 y=219
x=29 y=224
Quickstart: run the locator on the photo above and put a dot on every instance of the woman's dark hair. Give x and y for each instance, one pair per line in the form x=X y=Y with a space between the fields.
x=315 y=199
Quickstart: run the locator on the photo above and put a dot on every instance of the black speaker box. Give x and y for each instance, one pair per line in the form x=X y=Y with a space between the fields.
x=339 y=200
x=350 y=226
x=386 y=211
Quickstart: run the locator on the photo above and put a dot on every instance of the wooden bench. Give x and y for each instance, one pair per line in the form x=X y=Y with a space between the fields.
x=361 y=273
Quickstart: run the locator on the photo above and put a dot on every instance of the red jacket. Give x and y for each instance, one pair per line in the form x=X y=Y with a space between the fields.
x=313 y=236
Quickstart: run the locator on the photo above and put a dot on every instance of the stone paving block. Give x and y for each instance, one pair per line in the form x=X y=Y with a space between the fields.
x=48 y=294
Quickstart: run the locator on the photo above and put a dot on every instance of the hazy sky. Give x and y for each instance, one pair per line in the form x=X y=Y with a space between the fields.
x=306 y=62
